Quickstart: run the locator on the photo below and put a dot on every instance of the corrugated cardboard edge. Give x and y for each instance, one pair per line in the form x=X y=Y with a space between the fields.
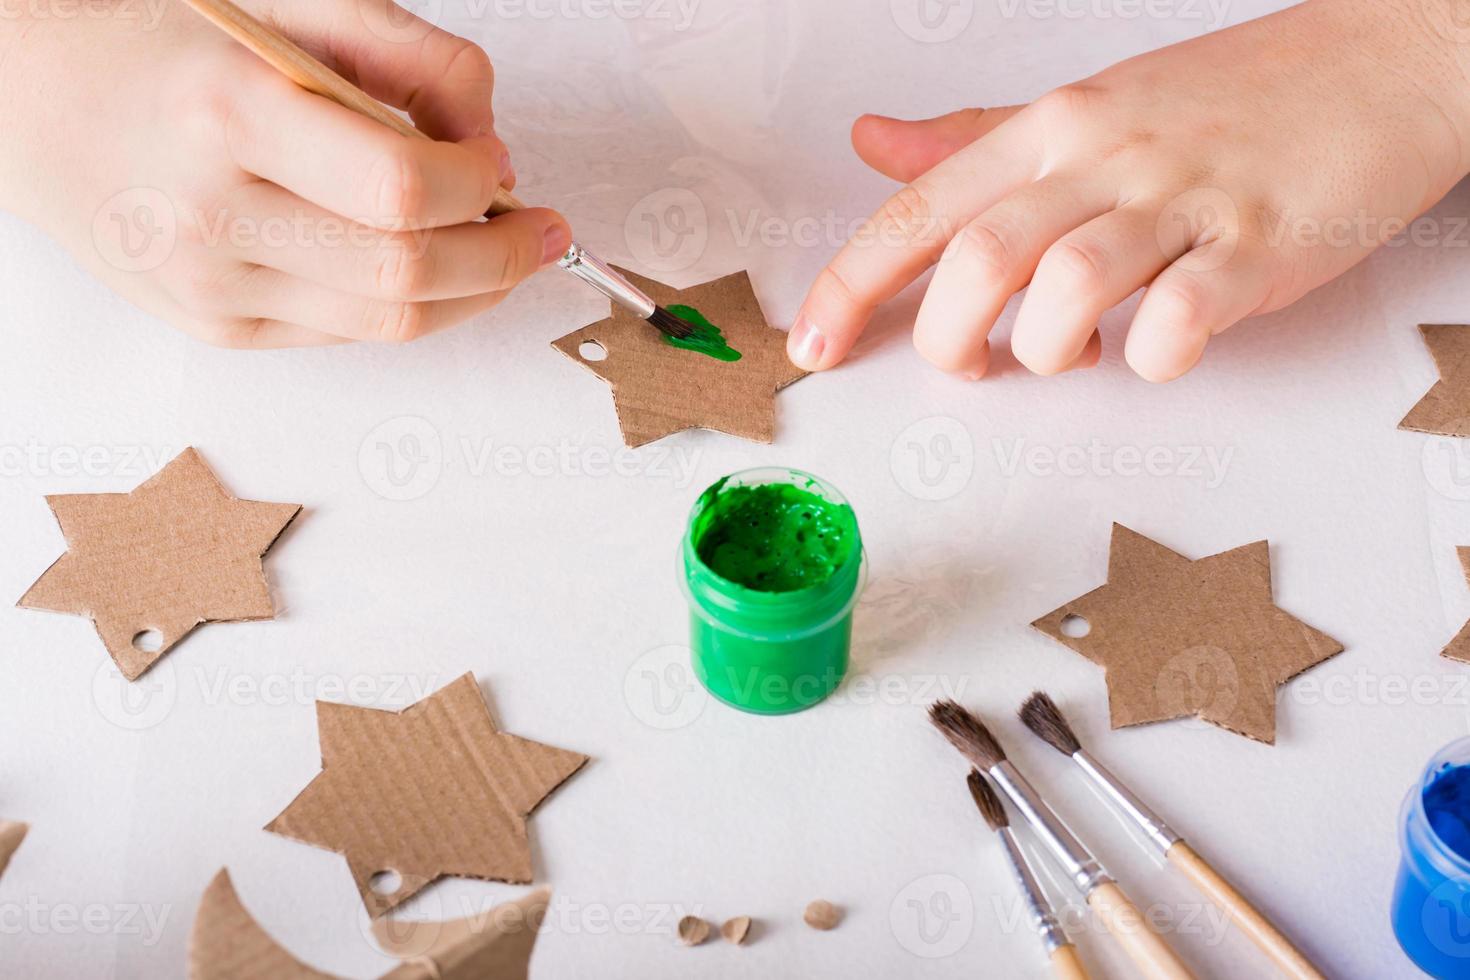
x=1458 y=649
x=11 y=834
x=514 y=790
x=495 y=944
x=752 y=417
x=226 y=943
x=132 y=662
x=1319 y=645
x=1445 y=408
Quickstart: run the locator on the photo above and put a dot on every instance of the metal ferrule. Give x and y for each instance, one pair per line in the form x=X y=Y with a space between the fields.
x=1038 y=909
x=1148 y=821
x=1084 y=870
x=602 y=277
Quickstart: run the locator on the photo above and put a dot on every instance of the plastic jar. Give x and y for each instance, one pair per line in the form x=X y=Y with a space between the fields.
x=770 y=652
x=1431 y=899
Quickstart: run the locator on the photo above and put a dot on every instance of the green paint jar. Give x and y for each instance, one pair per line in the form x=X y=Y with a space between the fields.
x=772 y=566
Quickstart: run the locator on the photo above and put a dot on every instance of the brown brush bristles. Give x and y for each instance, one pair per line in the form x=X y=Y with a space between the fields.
x=670 y=323
x=967 y=733
x=1041 y=714
x=987 y=801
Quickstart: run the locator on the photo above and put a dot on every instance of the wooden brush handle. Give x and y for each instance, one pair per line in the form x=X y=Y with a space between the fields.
x=1149 y=952
x=1290 y=960
x=282 y=54
x=1066 y=964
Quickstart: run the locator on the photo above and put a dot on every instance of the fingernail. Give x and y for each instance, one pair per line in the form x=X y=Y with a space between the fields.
x=507 y=171
x=805 y=345
x=558 y=240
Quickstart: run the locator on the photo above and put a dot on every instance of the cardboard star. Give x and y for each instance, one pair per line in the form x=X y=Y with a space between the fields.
x=227 y=943
x=429 y=791
x=1445 y=410
x=1182 y=638
x=176 y=552
x=1459 y=647
x=659 y=389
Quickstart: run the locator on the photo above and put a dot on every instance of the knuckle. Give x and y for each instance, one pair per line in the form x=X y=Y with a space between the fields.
x=834 y=281
x=1082 y=265
x=405 y=272
x=906 y=214
x=401 y=323
x=397 y=186
x=981 y=243
x=467 y=59
x=1068 y=104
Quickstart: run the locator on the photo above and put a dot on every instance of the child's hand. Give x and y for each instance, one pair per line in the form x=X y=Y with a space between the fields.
x=1230 y=174
x=205 y=187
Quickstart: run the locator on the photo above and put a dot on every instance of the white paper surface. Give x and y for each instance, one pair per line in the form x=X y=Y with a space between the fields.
x=461 y=514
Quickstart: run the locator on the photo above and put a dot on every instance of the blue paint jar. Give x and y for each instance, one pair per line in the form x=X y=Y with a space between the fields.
x=1431 y=899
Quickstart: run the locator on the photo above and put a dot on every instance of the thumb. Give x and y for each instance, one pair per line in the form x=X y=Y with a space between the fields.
x=905 y=150
x=444 y=82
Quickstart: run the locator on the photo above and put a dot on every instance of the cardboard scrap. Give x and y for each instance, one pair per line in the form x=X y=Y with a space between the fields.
x=227 y=943
x=176 y=552
x=1445 y=410
x=659 y=389
x=1182 y=638
x=11 y=834
x=429 y=791
x=1459 y=647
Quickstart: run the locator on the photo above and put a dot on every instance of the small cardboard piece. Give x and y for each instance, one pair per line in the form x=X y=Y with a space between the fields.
x=1459 y=647
x=659 y=389
x=1445 y=410
x=11 y=834
x=1182 y=638
x=227 y=943
x=429 y=791
x=176 y=552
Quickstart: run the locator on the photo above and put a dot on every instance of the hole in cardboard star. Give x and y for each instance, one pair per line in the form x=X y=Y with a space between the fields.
x=148 y=641
x=1075 y=627
x=385 y=882
x=591 y=350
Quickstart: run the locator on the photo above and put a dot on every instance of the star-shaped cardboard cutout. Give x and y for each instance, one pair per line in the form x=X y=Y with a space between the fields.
x=176 y=552
x=1181 y=638
x=227 y=943
x=659 y=389
x=429 y=791
x=1445 y=410
x=1459 y=647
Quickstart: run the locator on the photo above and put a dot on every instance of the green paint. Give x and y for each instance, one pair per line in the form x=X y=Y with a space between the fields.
x=772 y=569
x=773 y=538
x=706 y=338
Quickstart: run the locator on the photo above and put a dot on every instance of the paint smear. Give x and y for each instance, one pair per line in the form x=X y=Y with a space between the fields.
x=706 y=338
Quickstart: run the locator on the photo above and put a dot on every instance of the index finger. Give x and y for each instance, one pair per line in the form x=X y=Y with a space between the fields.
x=905 y=237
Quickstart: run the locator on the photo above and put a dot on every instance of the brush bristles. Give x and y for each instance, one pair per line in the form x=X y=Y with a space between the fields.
x=967 y=733
x=1041 y=714
x=671 y=325
x=986 y=800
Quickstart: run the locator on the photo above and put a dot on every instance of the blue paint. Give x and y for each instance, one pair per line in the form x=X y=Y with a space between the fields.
x=1431 y=900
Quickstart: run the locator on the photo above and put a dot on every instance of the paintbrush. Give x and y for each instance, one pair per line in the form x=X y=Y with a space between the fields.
x=1041 y=714
x=1149 y=952
x=282 y=54
x=1064 y=959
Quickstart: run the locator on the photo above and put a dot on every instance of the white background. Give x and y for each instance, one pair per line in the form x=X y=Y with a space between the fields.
x=557 y=588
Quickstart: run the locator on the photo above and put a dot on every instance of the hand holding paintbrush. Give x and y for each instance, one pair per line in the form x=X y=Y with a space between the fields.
x=1149 y=952
x=1042 y=716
